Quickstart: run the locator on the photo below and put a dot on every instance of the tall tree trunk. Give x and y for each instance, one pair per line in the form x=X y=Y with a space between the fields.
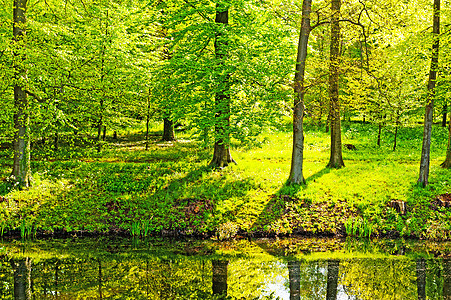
x=447 y=163
x=21 y=166
x=294 y=275
x=332 y=279
x=426 y=148
x=221 y=154
x=100 y=279
x=22 y=278
x=168 y=130
x=445 y=111
x=336 y=157
x=219 y=270
x=297 y=156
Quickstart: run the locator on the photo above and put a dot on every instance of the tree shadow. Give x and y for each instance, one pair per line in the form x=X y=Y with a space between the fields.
x=284 y=202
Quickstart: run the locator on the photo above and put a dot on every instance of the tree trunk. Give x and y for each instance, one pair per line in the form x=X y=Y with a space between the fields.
x=104 y=133
x=421 y=279
x=168 y=130
x=396 y=136
x=426 y=148
x=22 y=279
x=447 y=163
x=21 y=166
x=297 y=157
x=336 y=157
x=379 y=135
x=332 y=279
x=219 y=270
x=100 y=279
x=56 y=141
x=445 y=110
x=221 y=154
x=294 y=275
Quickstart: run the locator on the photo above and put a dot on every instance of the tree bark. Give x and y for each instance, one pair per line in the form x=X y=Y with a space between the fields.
x=219 y=270
x=297 y=157
x=332 y=279
x=221 y=154
x=445 y=111
x=447 y=163
x=294 y=275
x=168 y=130
x=336 y=157
x=426 y=148
x=21 y=166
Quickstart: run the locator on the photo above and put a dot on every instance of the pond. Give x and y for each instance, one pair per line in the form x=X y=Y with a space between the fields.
x=295 y=268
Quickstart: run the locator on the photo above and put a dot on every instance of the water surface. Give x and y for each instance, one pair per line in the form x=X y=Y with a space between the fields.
x=106 y=268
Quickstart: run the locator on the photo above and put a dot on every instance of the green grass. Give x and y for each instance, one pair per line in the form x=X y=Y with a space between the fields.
x=170 y=188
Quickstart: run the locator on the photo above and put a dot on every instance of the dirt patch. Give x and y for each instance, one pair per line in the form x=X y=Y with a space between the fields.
x=443 y=200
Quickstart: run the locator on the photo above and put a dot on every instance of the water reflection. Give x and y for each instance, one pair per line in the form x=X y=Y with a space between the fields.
x=148 y=273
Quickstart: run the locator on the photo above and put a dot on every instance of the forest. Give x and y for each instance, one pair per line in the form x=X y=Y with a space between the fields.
x=227 y=118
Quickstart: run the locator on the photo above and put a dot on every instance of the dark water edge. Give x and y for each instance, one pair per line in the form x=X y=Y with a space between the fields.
x=163 y=268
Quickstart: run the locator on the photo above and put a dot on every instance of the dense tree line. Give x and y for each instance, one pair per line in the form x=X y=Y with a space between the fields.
x=225 y=69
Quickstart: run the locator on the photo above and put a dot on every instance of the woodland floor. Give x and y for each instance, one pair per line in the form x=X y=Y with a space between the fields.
x=169 y=190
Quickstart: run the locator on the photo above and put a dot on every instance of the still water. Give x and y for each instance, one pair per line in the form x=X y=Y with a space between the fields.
x=105 y=268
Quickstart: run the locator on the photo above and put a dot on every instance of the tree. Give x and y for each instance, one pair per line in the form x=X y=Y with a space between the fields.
x=219 y=278
x=332 y=279
x=221 y=154
x=336 y=157
x=22 y=278
x=294 y=274
x=21 y=167
x=297 y=157
x=426 y=148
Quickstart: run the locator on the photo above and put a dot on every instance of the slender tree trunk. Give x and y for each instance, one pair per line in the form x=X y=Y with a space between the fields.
x=219 y=269
x=421 y=278
x=445 y=111
x=297 y=156
x=104 y=133
x=56 y=141
x=102 y=79
x=21 y=166
x=332 y=279
x=336 y=157
x=294 y=275
x=221 y=154
x=426 y=148
x=396 y=137
x=379 y=135
x=168 y=130
x=447 y=163
x=22 y=278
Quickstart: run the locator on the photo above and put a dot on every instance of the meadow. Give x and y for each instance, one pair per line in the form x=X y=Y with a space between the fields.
x=170 y=190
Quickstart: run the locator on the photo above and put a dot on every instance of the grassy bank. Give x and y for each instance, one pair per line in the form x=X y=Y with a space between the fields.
x=169 y=189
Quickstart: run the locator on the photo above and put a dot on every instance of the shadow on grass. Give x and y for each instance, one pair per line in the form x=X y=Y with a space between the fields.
x=282 y=203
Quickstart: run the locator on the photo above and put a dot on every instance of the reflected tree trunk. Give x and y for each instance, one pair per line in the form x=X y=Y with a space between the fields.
x=22 y=278
x=447 y=279
x=100 y=279
x=332 y=279
x=294 y=275
x=219 y=269
x=421 y=279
